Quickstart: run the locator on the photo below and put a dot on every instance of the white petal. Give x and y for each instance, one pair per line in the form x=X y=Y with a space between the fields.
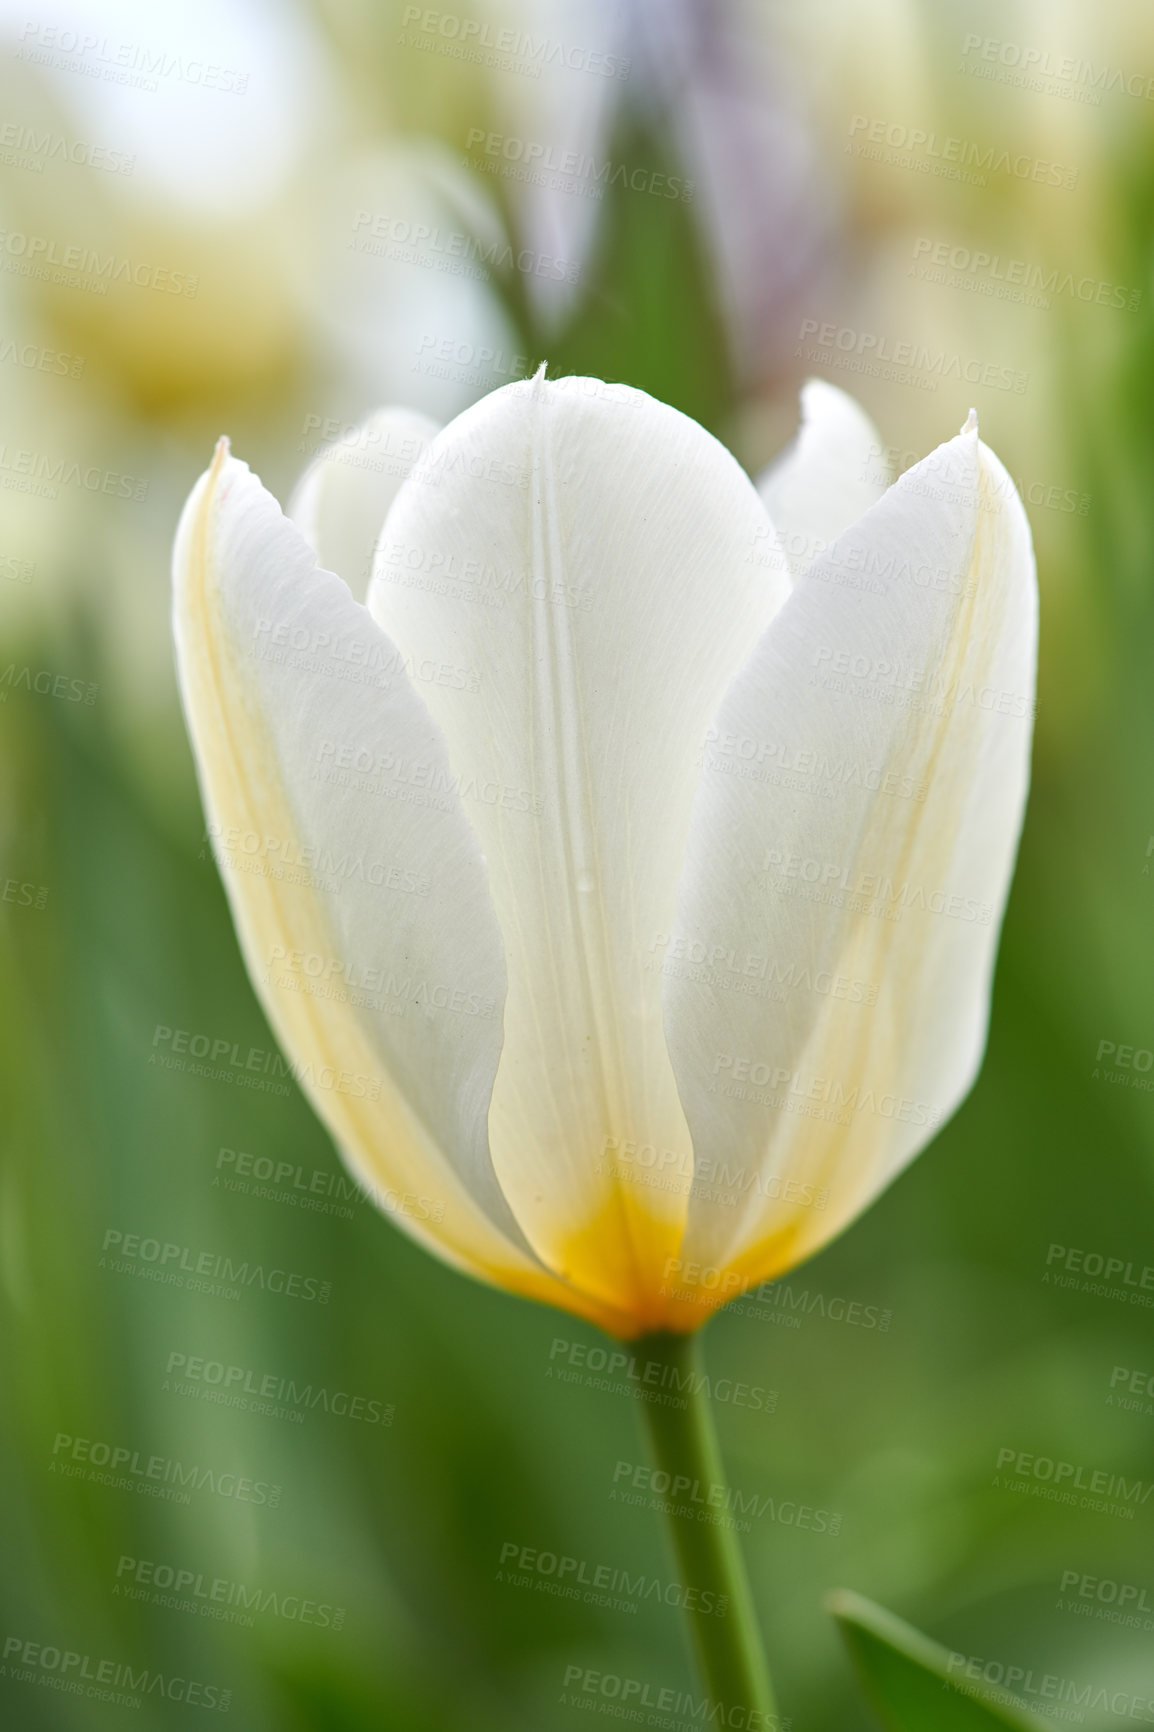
x=340 y=502
x=601 y=559
x=848 y=866
x=356 y=883
x=834 y=470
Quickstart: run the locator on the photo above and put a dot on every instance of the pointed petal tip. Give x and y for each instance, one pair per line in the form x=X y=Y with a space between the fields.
x=971 y=425
x=222 y=455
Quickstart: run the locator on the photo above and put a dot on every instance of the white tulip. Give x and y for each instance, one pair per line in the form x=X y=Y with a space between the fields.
x=624 y=881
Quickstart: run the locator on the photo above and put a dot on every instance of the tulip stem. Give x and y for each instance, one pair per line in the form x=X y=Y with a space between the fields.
x=683 y=1439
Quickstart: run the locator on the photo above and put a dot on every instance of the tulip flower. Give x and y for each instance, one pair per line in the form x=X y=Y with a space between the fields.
x=624 y=880
x=656 y=884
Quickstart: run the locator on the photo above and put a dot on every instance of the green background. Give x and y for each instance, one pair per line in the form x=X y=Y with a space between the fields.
x=897 y=1430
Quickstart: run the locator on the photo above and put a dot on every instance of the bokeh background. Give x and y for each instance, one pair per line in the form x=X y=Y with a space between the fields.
x=912 y=172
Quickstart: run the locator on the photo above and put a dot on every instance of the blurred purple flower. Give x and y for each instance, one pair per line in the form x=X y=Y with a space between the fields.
x=724 y=89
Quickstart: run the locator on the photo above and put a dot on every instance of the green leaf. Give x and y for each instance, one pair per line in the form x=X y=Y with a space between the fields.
x=908 y=1679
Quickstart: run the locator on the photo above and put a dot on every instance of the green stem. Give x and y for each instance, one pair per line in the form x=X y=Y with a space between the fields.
x=684 y=1443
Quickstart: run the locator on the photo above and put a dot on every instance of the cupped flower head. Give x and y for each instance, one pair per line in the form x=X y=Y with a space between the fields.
x=623 y=881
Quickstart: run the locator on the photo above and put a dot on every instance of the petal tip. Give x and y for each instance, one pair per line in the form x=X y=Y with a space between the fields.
x=221 y=458
x=971 y=423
